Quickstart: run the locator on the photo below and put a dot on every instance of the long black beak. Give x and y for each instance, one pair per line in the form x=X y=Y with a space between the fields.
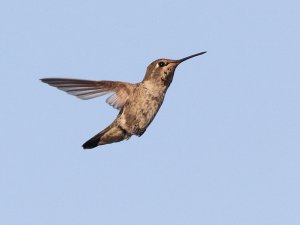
x=191 y=56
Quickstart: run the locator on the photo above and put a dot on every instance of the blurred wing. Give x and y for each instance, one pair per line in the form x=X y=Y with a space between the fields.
x=87 y=89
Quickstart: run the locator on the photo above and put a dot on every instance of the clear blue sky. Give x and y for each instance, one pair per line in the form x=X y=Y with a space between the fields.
x=224 y=148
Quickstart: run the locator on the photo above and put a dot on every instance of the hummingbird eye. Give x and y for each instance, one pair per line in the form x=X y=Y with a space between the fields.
x=161 y=64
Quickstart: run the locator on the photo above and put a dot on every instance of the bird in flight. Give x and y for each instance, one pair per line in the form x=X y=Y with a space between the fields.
x=137 y=103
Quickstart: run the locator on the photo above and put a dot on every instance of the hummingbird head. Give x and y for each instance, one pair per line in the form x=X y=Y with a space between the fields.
x=161 y=71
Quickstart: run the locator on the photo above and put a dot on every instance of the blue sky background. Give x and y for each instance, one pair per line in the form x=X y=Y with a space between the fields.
x=223 y=149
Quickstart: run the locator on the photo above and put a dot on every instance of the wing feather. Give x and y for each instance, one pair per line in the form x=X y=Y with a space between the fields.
x=87 y=89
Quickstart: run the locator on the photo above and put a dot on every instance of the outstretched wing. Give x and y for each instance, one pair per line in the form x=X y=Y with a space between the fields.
x=87 y=89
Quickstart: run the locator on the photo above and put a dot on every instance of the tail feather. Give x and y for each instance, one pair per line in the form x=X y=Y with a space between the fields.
x=109 y=135
x=92 y=143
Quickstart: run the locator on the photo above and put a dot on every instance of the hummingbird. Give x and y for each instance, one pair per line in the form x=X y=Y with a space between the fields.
x=137 y=103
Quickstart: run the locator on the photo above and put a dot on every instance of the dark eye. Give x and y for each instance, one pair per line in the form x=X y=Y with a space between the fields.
x=161 y=64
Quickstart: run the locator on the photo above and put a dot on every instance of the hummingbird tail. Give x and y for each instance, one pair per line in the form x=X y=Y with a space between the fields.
x=109 y=135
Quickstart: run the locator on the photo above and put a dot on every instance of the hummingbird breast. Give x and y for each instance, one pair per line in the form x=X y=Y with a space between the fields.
x=140 y=110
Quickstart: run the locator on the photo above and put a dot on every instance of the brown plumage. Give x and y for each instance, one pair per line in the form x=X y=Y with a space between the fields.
x=138 y=103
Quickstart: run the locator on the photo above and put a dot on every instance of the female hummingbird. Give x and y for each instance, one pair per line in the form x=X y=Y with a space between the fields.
x=137 y=103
